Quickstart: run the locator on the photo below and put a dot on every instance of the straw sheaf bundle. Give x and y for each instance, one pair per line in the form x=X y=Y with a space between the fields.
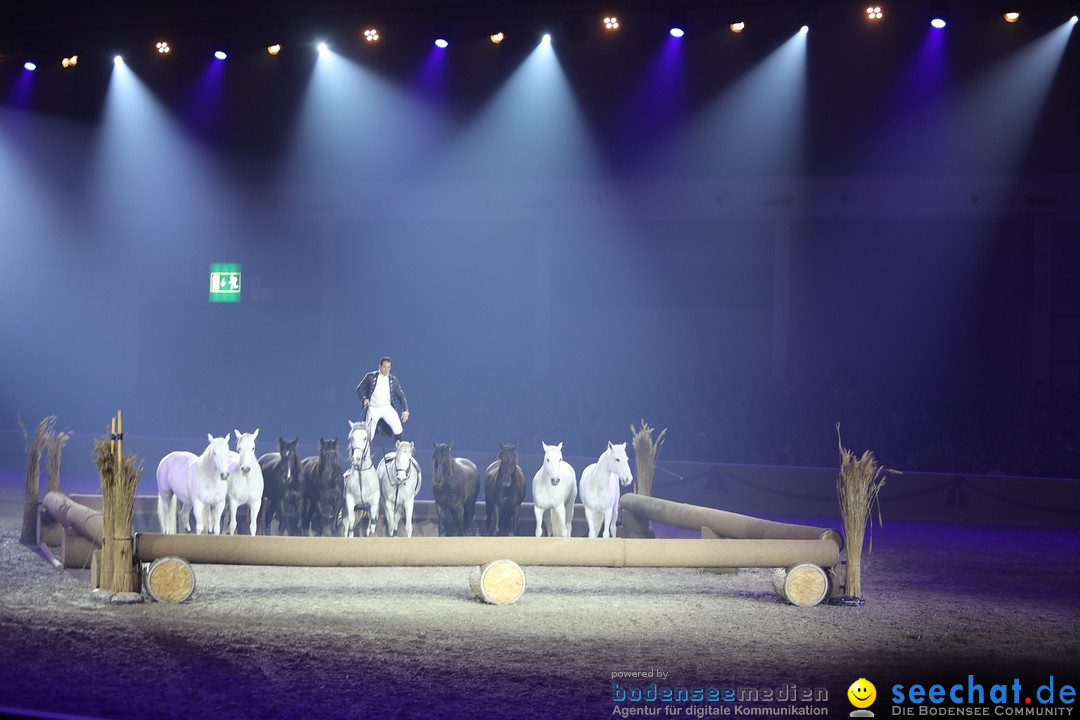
x=55 y=446
x=857 y=487
x=33 y=473
x=119 y=479
x=645 y=452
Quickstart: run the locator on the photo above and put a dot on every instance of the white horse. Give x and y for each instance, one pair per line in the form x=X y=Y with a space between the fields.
x=554 y=488
x=361 y=480
x=399 y=480
x=600 y=488
x=199 y=481
x=245 y=480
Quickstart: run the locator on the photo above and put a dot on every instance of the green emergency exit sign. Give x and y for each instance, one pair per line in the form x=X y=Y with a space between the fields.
x=225 y=282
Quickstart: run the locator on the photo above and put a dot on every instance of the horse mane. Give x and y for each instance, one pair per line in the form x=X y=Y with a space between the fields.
x=507 y=469
x=295 y=444
x=443 y=460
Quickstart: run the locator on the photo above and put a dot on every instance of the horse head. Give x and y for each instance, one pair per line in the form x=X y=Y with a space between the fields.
x=508 y=461
x=403 y=460
x=441 y=461
x=328 y=455
x=290 y=460
x=618 y=463
x=218 y=450
x=552 y=461
x=359 y=444
x=245 y=448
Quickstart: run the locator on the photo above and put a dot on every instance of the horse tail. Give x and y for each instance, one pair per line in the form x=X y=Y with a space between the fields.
x=171 y=518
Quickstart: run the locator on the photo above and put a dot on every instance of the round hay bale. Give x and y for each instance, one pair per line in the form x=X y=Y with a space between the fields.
x=170 y=580
x=499 y=582
x=804 y=584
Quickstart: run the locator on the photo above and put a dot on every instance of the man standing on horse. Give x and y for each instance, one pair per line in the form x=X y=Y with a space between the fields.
x=383 y=400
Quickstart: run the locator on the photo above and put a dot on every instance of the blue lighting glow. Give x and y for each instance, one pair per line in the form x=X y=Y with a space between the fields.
x=676 y=32
x=30 y=66
x=938 y=23
x=220 y=55
x=441 y=43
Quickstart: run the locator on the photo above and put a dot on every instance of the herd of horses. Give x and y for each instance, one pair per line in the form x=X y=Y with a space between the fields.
x=312 y=495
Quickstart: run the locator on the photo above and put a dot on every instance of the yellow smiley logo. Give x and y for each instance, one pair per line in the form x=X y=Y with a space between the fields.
x=862 y=693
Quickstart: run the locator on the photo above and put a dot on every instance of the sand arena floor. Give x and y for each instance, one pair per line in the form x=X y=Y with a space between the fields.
x=944 y=601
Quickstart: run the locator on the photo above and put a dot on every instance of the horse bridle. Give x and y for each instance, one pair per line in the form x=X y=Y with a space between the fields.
x=365 y=453
x=393 y=479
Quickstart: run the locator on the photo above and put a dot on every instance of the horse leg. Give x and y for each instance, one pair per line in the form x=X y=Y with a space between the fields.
x=539 y=512
x=234 y=505
x=607 y=521
x=348 y=520
x=559 y=521
x=408 y=517
x=590 y=517
x=254 y=505
x=199 y=515
x=568 y=516
x=391 y=518
x=185 y=515
x=373 y=519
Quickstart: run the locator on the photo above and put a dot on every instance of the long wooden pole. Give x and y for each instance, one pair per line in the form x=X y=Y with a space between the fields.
x=464 y=551
x=723 y=523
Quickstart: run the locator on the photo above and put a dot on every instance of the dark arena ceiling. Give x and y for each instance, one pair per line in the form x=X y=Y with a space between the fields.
x=33 y=27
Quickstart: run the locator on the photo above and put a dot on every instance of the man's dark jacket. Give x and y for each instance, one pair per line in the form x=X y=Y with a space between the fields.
x=397 y=398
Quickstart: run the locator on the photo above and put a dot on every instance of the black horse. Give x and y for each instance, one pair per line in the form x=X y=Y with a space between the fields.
x=455 y=485
x=282 y=488
x=324 y=490
x=504 y=489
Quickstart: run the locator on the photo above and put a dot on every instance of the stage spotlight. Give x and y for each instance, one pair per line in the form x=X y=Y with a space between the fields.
x=545 y=39
x=611 y=23
x=737 y=27
x=371 y=35
x=874 y=12
x=118 y=60
x=676 y=32
x=323 y=49
x=163 y=48
x=497 y=37
x=30 y=66
x=1073 y=19
x=1012 y=16
x=441 y=43
x=273 y=49
x=804 y=29
x=939 y=14
x=220 y=55
x=70 y=61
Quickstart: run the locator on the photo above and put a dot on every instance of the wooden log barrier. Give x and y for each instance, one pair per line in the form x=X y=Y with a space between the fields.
x=804 y=584
x=723 y=523
x=170 y=580
x=459 y=551
x=499 y=582
x=86 y=521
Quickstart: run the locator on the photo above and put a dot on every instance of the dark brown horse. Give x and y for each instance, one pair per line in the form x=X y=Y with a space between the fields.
x=283 y=487
x=324 y=490
x=504 y=489
x=455 y=485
